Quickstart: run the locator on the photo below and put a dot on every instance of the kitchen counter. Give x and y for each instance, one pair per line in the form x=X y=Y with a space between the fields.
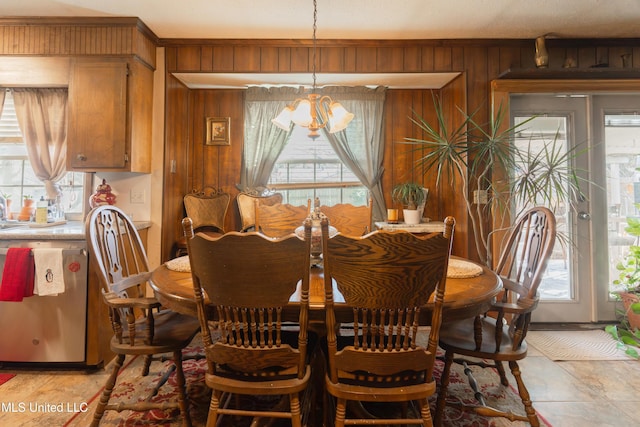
x=72 y=230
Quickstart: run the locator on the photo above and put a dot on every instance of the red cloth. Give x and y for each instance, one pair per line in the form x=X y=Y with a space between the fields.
x=18 y=275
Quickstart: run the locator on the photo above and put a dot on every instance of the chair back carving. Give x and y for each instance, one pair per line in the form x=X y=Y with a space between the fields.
x=246 y=207
x=122 y=268
x=349 y=219
x=386 y=277
x=280 y=219
x=207 y=208
x=247 y=278
x=521 y=266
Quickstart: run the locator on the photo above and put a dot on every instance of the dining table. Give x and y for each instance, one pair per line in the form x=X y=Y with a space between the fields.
x=464 y=297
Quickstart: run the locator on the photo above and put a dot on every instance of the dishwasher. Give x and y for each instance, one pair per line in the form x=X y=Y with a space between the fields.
x=47 y=329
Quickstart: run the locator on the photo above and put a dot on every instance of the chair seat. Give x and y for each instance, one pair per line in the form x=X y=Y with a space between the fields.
x=455 y=336
x=171 y=331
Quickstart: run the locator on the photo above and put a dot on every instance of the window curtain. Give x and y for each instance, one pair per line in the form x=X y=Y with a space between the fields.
x=42 y=116
x=360 y=146
x=263 y=141
x=3 y=93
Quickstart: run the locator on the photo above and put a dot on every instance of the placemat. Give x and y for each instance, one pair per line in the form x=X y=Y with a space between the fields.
x=460 y=269
x=179 y=264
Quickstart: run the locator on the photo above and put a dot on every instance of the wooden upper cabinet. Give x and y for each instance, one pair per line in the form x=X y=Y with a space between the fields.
x=110 y=111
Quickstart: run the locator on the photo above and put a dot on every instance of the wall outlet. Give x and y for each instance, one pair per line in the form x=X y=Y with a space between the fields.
x=137 y=196
x=480 y=197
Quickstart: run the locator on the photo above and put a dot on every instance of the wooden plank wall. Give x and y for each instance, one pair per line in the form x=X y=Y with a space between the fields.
x=189 y=164
x=478 y=61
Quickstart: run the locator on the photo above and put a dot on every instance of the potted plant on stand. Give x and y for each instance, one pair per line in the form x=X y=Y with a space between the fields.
x=413 y=197
x=627 y=332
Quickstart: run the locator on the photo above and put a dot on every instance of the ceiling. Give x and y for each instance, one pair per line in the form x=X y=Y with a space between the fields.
x=357 y=19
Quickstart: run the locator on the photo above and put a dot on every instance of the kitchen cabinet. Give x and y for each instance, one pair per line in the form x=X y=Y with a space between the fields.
x=110 y=112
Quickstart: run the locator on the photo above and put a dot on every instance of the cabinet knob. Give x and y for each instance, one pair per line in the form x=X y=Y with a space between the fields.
x=81 y=157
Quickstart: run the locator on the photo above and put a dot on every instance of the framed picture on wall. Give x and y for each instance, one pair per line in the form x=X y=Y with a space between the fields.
x=218 y=131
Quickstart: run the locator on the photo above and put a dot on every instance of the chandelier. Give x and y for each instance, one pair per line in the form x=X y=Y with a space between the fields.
x=316 y=111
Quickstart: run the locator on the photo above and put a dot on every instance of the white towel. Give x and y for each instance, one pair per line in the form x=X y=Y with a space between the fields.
x=49 y=271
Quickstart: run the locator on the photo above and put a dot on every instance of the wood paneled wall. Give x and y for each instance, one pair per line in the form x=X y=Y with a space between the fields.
x=478 y=61
x=57 y=36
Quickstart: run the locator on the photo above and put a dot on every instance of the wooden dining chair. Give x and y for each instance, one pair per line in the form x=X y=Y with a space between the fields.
x=386 y=277
x=349 y=219
x=499 y=335
x=247 y=210
x=207 y=208
x=280 y=219
x=248 y=278
x=140 y=326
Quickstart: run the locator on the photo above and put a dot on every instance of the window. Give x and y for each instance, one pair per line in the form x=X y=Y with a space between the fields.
x=309 y=168
x=17 y=178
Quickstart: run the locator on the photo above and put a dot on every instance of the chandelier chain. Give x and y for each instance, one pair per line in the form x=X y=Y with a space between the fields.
x=315 y=27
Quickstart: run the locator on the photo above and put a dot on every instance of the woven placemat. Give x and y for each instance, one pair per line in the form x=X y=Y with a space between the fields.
x=459 y=269
x=179 y=264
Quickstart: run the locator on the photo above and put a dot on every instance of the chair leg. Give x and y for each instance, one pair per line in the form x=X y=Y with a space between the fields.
x=294 y=402
x=212 y=417
x=183 y=401
x=524 y=394
x=425 y=412
x=108 y=389
x=442 y=393
x=147 y=364
x=503 y=375
x=341 y=412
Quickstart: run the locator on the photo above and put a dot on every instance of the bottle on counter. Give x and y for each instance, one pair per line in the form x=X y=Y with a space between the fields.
x=42 y=208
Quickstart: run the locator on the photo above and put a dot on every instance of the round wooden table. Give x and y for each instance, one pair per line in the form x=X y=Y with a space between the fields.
x=464 y=297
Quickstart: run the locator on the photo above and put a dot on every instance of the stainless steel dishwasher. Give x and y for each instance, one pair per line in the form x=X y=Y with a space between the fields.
x=47 y=329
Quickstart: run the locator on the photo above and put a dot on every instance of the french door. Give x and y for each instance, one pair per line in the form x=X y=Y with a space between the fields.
x=602 y=133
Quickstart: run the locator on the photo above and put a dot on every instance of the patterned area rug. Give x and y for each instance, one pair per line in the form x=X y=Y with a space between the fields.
x=130 y=384
x=576 y=345
x=5 y=377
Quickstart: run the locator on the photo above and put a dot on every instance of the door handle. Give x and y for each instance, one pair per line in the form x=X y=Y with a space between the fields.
x=585 y=216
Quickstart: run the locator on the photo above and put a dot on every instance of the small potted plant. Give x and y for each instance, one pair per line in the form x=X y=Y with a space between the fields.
x=27 y=208
x=627 y=332
x=412 y=196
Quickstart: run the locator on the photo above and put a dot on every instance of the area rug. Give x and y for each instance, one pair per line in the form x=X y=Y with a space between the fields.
x=5 y=377
x=131 y=386
x=576 y=345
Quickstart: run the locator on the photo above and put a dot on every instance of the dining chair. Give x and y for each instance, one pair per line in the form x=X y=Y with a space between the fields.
x=499 y=335
x=248 y=278
x=280 y=219
x=140 y=326
x=246 y=207
x=386 y=277
x=207 y=208
x=349 y=219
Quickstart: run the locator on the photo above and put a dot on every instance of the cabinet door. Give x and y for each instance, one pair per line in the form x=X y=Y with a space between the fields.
x=97 y=131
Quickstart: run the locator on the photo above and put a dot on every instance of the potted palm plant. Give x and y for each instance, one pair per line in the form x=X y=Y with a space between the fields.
x=478 y=160
x=413 y=197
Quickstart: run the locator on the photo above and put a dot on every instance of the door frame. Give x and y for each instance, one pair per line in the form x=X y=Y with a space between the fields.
x=502 y=89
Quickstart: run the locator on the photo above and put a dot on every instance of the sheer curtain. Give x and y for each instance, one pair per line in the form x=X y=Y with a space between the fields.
x=3 y=93
x=263 y=142
x=42 y=116
x=360 y=146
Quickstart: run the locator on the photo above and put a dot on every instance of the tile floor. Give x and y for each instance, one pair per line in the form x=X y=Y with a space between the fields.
x=566 y=394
